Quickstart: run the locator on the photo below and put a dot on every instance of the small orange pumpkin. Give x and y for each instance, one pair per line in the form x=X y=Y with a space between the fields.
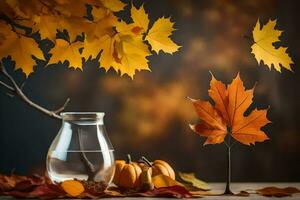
x=127 y=173
x=159 y=167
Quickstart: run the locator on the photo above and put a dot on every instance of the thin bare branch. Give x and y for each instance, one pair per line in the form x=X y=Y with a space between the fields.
x=62 y=107
x=7 y=86
x=19 y=93
x=88 y=165
x=22 y=86
x=10 y=95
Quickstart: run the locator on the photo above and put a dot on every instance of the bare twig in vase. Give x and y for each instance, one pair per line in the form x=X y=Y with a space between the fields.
x=89 y=167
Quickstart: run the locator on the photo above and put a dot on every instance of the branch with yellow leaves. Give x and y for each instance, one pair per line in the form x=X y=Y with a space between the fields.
x=17 y=91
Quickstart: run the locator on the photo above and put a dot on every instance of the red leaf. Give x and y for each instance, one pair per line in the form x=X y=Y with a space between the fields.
x=25 y=186
x=277 y=192
x=172 y=191
x=45 y=191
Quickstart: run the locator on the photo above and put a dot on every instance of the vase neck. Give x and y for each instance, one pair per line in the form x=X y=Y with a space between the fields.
x=83 y=118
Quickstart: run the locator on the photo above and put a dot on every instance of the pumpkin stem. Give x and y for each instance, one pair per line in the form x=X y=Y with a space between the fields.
x=145 y=160
x=128 y=158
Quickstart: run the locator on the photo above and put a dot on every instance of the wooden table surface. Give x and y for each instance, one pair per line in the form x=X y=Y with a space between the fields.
x=236 y=188
x=219 y=188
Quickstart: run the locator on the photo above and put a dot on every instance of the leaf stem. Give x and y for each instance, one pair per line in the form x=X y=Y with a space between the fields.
x=145 y=160
x=228 y=181
x=226 y=143
x=129 y=160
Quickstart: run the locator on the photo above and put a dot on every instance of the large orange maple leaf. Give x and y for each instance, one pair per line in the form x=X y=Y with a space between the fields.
x=226 y=116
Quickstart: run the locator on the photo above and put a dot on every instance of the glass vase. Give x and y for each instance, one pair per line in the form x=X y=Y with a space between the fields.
x=81 y=150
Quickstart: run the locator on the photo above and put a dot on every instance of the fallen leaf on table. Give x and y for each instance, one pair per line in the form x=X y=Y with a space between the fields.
x=277 y=192
x=25 y=185
x=172 y=191
x=164 y=181
x=200 y=193
x=264 y=50
x=197 y=183
x=242 y=194
x=39 y=187
x=113 y=192
x=45 y=191
x=72 y=187
x=20 y=183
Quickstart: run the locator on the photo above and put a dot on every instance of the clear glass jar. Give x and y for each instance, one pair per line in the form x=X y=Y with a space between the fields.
x=81 y=150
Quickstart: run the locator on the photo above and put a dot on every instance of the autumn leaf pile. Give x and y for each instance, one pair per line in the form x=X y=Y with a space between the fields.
x=227 y=115
x=81 y=29
x=41 y=187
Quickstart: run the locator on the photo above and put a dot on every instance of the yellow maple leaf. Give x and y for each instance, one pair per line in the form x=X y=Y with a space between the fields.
x=64 y=50
x=140 y=17
x=106 y=44
x=28 y=8
x=102 y=27
x=138 y=26
x=6 y=9
x=159 y=36
x=264 y=50
x=75 y=26
x=76 y=8
x=4 y=31
x=124 y=53
x=122 y=46
x=46 y=25
x=99 y=13
x=92 y=49
x=15 y=6
x=124 y=28
x=140 y=22
x=131 y=55
x=21 y=49
x=113 y=5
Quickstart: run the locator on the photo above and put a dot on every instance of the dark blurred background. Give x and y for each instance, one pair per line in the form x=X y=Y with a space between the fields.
x=150 y=114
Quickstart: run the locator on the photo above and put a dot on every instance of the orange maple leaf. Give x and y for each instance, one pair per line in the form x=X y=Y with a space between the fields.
x=226 y=116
